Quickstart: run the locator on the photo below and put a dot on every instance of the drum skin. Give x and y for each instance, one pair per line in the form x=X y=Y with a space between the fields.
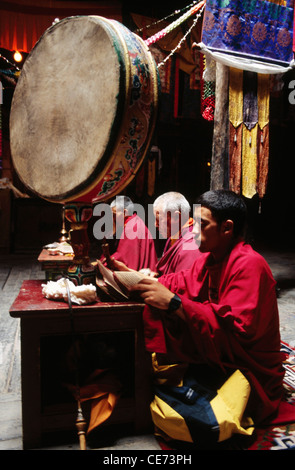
x=83 y=111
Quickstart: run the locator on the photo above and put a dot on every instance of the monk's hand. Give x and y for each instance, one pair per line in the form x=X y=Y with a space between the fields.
x=115 y=265
x=153 y=293
x=119 y=266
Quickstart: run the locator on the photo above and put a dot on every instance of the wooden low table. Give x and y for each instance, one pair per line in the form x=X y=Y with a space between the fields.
x=45 y=326
x=54 y=265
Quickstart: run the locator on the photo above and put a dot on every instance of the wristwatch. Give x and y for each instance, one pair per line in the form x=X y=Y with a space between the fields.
x=174 y=304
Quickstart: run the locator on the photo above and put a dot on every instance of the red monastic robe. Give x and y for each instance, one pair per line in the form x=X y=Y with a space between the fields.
x=136 y=246
x=238 y=330
x=180 y=253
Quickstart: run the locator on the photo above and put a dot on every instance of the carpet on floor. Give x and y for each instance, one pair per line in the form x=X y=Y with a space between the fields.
x=280 y=433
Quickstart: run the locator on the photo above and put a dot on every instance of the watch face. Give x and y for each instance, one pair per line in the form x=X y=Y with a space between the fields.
x=174 y=304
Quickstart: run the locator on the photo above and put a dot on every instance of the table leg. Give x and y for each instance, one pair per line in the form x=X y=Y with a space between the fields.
x=30 y=374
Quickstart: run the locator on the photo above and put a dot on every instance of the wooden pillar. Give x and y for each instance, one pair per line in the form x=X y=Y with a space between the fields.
x=219 y=162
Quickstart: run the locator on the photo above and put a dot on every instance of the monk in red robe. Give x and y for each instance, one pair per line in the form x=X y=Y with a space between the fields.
x=221 y=315
x=135 y=246
x=171 y=211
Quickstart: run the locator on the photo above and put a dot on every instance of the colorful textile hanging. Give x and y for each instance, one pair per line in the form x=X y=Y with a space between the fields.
x=207 y=93
x=165 y=71
x=253 y=27
x=248 y=132
x=235 y=128
x=263 y=133
x=250 y=124
x=249 y=29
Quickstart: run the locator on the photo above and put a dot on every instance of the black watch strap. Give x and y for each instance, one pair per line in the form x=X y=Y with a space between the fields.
x=174 y=303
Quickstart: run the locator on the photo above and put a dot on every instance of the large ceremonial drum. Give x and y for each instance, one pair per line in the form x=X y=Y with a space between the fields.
x=84 y=110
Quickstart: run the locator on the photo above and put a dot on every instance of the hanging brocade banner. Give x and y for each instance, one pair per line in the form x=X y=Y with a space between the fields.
x=255 y=35
x=255 y=39
x=207 y=83
x=263 y=93
x=250 y=125
x=236 y=97
x=248 y=132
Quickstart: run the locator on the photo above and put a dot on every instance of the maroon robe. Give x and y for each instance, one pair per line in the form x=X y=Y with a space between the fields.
x=179 y=254
x=136 y=246
x=238 y=330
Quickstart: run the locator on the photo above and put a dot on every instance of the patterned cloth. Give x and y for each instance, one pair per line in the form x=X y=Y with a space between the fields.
x=280 y=434
x=255 y=28
x=248 y=132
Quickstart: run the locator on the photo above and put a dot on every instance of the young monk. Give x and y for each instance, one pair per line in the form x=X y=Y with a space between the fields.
x=221 y=314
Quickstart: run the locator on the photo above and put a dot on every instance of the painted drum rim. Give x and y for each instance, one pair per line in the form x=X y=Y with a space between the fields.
x=113 y=166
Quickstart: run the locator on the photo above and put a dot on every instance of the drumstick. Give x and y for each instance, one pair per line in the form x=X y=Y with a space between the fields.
x=106 y=253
